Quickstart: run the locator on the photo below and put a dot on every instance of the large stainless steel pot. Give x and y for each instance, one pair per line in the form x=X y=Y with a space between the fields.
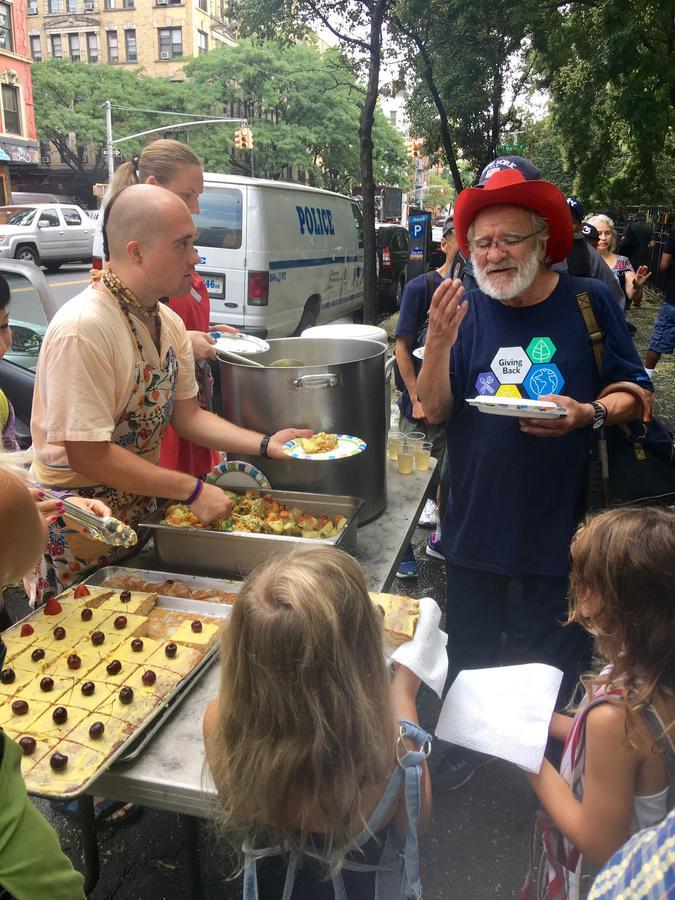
x=340 y=388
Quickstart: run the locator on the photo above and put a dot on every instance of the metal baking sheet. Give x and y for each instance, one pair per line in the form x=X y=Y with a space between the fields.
x=237 y=552
x=194 y=582
x=132 y=747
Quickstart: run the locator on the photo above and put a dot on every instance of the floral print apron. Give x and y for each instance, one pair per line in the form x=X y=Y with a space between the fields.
x=140 y=428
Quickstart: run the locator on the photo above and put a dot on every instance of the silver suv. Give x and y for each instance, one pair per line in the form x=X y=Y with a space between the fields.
x=48 y=234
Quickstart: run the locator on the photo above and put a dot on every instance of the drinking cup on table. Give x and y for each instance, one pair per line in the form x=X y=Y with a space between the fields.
x=394 y=443
x=422 y=454
x=415 y=437
x=406 y=458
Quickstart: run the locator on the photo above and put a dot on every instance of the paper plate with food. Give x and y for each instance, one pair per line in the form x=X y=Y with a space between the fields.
x=520 y=407
x=324 y=446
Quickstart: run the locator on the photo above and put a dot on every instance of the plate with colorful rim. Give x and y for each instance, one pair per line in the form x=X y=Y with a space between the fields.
x=238 y=474
x=418 y=352
x=520 y=407
x=244 y=344
x=348 y=445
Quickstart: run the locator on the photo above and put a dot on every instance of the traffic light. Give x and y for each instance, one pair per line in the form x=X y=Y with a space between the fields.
x=246 y=139
x=239 y=139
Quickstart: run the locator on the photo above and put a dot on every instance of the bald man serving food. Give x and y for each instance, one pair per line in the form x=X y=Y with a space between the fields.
x=115 y=368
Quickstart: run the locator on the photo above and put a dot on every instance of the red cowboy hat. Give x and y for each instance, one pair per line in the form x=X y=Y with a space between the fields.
x=509 y=186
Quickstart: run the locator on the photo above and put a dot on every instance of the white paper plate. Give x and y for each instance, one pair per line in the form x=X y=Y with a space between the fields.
x=419 y=352
x=347 y=446
x=238 y=474
x=519 y=407
x=245 y=344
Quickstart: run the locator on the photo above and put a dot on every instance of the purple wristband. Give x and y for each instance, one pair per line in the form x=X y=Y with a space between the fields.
x=197 y=491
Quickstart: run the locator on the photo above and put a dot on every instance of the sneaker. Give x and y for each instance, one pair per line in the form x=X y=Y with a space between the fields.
x=433 y=548
x=429 y=517
x=407 y=568
x=455 y=767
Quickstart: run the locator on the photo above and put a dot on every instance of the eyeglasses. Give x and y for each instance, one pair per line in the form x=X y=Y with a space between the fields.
x=503 y=243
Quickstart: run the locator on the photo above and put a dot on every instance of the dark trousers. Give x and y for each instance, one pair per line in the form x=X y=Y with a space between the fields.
x=497 y=620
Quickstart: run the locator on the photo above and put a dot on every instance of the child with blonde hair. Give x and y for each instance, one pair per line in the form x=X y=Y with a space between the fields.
x=618 y=768
x=316 y=753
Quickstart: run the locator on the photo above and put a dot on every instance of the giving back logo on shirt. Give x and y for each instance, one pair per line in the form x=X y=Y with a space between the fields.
x=522 y=372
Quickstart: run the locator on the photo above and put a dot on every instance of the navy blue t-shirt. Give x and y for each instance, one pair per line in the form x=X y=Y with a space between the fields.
x=513 y=496
x=414 y=310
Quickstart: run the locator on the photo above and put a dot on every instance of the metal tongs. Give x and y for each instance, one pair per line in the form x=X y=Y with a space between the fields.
x=107 y=529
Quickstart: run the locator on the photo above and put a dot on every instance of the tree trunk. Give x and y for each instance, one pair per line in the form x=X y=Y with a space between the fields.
x=366 y=158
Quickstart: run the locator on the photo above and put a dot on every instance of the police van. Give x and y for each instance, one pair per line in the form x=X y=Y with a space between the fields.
x=278 y=257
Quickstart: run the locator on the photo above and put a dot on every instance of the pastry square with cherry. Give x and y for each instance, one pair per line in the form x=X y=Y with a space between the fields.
x=197 y=633
x=37 y=658
x=112 y=671
x=57 y=721
x=125 y=625
x=175 y=657
x=50 y=688
x=86 y=619
x=128 y=602
x=12 y=680
x=129 y=705
x=75 y=659
x=33 y=747
x=137 y=649
x=89 y=694
x=154 y=682
x=65 y=769
x=102 y=733
x=19 y=713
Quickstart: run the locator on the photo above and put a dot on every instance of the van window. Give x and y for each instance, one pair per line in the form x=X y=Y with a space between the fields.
x=358 y=222
x=219 y=222
x=22 y=217
x=71 y=216
x=49 y=217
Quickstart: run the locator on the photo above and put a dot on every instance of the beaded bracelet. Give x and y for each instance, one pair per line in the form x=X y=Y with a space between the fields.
x=264 y=444
x=197 y=491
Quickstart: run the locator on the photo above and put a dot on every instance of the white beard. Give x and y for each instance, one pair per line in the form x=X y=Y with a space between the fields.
x=510 y=284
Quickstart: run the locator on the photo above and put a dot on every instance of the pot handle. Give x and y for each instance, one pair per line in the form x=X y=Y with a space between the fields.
x=388 y=366
x=315 y=382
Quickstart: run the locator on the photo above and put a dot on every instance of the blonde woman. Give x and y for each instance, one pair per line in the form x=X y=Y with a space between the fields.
x=173 y=166
x=630 y=281
x=317 y=754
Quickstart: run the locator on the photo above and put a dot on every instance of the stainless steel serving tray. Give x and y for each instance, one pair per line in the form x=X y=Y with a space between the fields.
x=132 y=747
x=237 y=553
x=194 y=582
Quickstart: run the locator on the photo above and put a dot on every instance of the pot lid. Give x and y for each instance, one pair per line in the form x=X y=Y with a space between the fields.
x=243 y=344
x=347 y=330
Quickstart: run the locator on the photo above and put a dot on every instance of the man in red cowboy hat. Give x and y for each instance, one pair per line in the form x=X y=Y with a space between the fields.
x=516 y=483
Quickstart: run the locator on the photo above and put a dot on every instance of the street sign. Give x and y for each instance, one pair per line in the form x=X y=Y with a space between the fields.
x=98 y=190
x=117 y=153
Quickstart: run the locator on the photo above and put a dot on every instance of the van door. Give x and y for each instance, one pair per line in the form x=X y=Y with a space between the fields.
x=79 y=233
x=49 y=233
x=221 y=244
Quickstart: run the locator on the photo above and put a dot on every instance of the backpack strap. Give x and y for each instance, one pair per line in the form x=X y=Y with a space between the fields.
x=430 y=287
x=664 y=743
x=595 y=335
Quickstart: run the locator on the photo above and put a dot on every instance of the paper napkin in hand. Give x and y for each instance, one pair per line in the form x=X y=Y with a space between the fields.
x=426 y=655
x=504 y=711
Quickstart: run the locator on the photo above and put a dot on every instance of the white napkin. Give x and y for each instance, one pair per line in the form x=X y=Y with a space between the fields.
x=425 y=655
x=504 y=711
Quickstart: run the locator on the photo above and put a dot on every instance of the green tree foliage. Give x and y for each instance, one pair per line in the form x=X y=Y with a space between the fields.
x=541 y=142
x=611 y=73
x=303 y=108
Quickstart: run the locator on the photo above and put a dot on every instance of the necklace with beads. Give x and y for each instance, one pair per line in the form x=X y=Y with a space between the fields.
x=128 y=303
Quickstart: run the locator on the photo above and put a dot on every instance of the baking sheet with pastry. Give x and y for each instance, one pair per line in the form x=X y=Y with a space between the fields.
x=97 y=638
x=167 y=584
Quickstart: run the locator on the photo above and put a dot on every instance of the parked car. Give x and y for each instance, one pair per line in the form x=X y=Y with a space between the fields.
x=393 y=256
x=48 y=234
x=31 y=308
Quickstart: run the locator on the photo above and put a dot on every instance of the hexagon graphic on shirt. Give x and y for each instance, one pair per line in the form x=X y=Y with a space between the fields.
x=511 y=365
x=508 y=390
x=541 y=350
x=487 y=384
x=544 y=379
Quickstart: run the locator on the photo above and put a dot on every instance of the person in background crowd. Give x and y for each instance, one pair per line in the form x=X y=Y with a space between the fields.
x=631 y=282
x=515 y=484
x=663 y=336
x=409 y=336
x=317 y=755
x=637 y=241
x=644 y=867
x=116 y=366
x=172 y=165
x=32 y=863
x=618 y=763
x=591 y=236
x=583 y=260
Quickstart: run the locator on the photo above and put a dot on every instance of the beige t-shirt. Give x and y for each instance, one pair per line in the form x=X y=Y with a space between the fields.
x=85 y=375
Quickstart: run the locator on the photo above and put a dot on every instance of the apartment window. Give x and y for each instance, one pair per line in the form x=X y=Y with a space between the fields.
x=203 y=4
x=57 y=48
x=35 y=48
x=93 y=53
x=71 y=6
x=170 y=43
x=109 y=4
x=113 y=47
x=32 y=7
x=6 y=41
x=10 y=108
x=127 y=4
x=54 y=6
x=130 y=44
x=74 y=47
x=202 y=42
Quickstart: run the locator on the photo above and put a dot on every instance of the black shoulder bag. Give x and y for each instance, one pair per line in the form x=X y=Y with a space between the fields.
x=626 y=467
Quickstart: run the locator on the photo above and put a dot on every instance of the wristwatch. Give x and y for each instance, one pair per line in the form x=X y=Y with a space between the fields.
x=599 y=415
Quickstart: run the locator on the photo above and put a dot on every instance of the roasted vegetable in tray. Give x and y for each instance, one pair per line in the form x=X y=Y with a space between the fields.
x=256 y=513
